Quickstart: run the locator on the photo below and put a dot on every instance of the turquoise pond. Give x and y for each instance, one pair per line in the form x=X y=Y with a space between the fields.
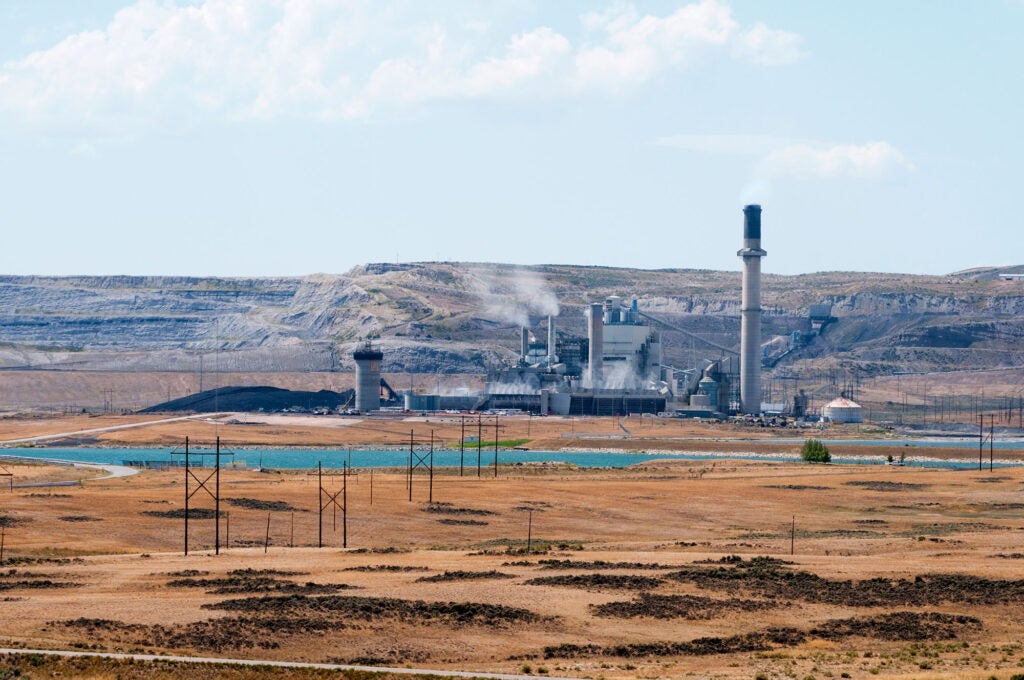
x=371 y=458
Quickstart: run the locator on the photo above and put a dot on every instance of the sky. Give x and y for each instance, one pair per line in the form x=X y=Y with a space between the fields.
x=292 y=137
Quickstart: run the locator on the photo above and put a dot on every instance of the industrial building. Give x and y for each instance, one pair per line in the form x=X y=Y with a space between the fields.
x=618 y=367
x=621 y=373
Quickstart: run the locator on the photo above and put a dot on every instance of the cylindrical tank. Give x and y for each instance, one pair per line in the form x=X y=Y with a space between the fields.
x=368 y=362
x=700 y=401
x=595 y=333
x=709 y=387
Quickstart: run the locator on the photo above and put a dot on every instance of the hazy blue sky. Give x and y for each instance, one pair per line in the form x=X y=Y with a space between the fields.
x=268 y=137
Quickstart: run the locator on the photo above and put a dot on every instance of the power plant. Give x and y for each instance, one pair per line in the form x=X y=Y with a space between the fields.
x=618 y=368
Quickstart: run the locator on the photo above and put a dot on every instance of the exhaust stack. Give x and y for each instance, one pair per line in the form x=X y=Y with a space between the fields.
x=750 y=312
x=596 y=336
x=552 y=356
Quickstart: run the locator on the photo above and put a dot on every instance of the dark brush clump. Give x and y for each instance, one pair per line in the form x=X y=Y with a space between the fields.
x=463 y=576
x=449 y=509
x=748 y=642
x=599 y=565
x=887 y=486
x=598 y=581
x=798 y=487
x=768 y=578
x=901 y=626
x=385 y=567
x=689 y=607
x=252 y=581
x=179 y=513
x=257 y=504
x=13 y=579
x=347 y=607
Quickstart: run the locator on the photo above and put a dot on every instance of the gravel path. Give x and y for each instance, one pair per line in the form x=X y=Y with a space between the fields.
x=281 y=664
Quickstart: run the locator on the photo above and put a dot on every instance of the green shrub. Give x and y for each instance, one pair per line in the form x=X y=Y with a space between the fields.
x=814 y=451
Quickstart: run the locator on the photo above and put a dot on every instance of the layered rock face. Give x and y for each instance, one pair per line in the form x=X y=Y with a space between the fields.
x=464 y=318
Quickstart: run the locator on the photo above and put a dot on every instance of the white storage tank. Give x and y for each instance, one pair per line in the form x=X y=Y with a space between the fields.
x=843 y=410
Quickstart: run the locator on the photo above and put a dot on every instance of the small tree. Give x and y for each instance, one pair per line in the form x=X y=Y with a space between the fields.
x=814 y=451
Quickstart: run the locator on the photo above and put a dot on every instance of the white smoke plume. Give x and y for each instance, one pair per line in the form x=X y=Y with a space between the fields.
x=514 y=298
x=617 y=375
x=540 y=298
x=512 y=388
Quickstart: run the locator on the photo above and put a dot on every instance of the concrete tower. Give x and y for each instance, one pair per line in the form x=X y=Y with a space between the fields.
x=750 y=311
x=552 y=357
x=368 y=378
x=596 y=335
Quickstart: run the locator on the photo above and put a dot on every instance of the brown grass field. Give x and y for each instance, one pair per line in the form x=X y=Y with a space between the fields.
x=650 y=571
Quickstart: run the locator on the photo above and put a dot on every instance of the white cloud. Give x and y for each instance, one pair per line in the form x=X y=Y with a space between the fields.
x=767 y=46
x=528 y=56
x=871 y=160
x=630 y=49
x=439 y=74
x=159 y=64
x=800 y=158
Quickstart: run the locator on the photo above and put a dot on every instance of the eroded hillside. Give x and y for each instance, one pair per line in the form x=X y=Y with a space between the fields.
x=464 y=318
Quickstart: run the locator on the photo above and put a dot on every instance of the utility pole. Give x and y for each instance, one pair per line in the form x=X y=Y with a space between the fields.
x=216 y=504
x=344 y=507
x=529 y=532
x=991 y=440
x=186 y=496
x=981 y=438
x=496 y=446
x=201 y=485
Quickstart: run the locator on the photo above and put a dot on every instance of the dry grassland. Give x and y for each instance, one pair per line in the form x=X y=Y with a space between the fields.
x=651 y=571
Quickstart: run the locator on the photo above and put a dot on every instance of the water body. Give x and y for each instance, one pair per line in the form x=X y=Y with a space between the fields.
x=295 y=459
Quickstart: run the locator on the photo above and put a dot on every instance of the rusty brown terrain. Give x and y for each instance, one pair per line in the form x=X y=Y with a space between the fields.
x=725 y=568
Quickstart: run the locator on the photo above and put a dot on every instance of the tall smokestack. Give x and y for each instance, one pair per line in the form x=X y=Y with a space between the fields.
x=551 y=339
x=750 y=311
x=525 y=343
x=596 y=335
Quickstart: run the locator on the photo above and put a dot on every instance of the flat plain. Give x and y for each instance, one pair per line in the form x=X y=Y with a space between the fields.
x=732 y=568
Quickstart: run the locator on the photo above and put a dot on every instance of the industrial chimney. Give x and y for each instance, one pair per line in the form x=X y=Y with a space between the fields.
x=552 y=357
x=596 y=335
x=750 y=311
x=368 y=377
